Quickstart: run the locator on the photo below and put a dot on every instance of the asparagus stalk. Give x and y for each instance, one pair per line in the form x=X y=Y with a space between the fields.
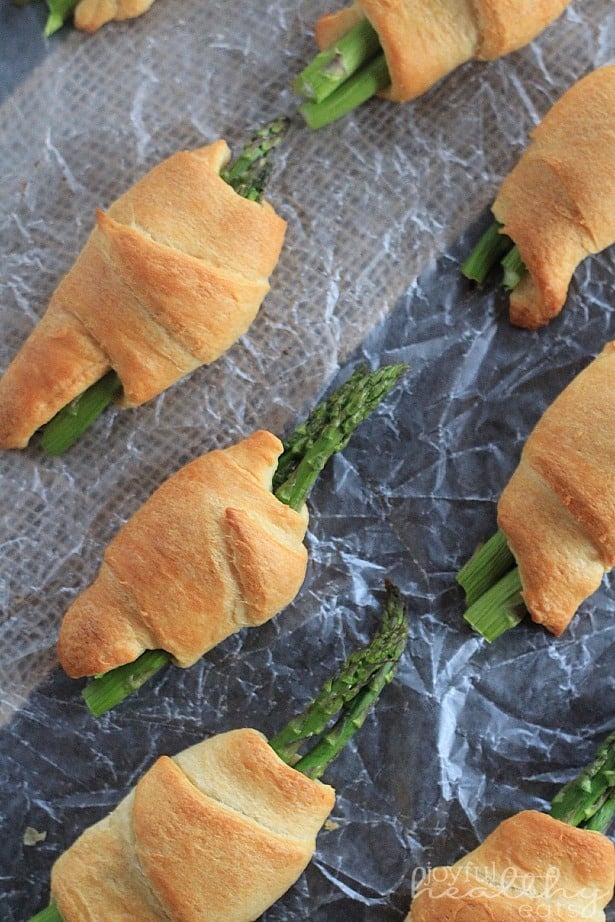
x=104 y=692
x=59 y=12
x=343 y=77
x=495 y=247
x=51 y=913
x=348 y=696
x=331 y=68
x=362 y=669
x=490 y=249
x=589 y=799
x=487 y=565
x=247 y=175
x=325 y=432
x=499 y=609
x=72 y=421
x=514 y=269
x=328 y=430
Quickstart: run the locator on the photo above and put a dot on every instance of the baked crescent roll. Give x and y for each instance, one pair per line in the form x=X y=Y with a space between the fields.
x=558 y=509
x=217 y=833
x=530 y=867
x=171 y=276
x=423 y=40
x=558 y=203
x=210 y=552
x=90 y=15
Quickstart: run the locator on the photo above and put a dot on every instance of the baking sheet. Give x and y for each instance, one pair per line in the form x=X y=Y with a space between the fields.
x=381 y=209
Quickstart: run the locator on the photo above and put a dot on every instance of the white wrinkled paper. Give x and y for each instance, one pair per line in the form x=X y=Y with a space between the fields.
x=381 y=207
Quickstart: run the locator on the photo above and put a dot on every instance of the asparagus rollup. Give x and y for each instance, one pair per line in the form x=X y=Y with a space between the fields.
x=407 y=46
x=171 y=276
x=243 y=826
x=325 y=432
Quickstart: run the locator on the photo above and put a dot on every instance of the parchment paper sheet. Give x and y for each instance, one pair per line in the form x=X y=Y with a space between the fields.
x=381 y=208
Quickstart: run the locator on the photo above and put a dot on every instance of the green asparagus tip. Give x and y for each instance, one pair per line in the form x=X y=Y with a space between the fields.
x=109 y=689
x=249 y=173
x=589 y=800
x=61 y=432
x=347 y=697
x=328 y=429
x=499 y=609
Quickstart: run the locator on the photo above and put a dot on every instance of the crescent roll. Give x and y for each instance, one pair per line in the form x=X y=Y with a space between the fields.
x=212 y=551
x=530 y=867
x=171 y=276
x=558 y=203
x=90 y=15
x=423 y=40
x=558 y=509
x=217 y=833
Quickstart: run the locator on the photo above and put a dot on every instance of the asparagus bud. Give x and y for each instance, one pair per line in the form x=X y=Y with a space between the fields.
x=347 y=696
x=589 y=800
x=328 y=431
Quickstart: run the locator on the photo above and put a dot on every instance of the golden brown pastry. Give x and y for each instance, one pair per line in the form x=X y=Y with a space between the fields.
x=217 y=833
x=172 y=275
x=558 y=509
x=558 y=203
x=210 y=552
x=90 y=15
x=530 y=867
x=423 y=40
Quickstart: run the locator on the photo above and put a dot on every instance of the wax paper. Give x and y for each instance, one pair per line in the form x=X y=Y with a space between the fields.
x=381 y=207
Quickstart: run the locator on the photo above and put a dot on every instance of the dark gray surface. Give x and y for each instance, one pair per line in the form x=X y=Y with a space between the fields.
x=22 y=42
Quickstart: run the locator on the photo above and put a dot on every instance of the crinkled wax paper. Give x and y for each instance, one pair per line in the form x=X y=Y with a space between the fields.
x=381 y=208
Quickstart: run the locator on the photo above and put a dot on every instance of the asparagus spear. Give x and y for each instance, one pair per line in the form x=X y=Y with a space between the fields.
x=247 y=175
x=325 y=432
x=492 y=586
x=343 y=77
x=359 y=672
x=347 y=696
x=589 y=800
x=495 y=247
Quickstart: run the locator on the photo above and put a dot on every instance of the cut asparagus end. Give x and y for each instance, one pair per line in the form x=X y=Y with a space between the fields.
x=589 y=799
x=490 y=250
x=104 y=692
x=347 y=696
x=61 y=432
x=499 y=609
x=331 y=68
x=327 y=431
x=51 y=913
x=60 y=12
x=364 y=84
x=485 y=567
x=514 y=269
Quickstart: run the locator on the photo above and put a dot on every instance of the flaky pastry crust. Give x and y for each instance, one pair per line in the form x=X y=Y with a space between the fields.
x=558 y=203
x=217 y=833
x=558 y=509
x=172 y=275
x=90 y=15
x=210 y=552
x=530 y=867
x=423 y=40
